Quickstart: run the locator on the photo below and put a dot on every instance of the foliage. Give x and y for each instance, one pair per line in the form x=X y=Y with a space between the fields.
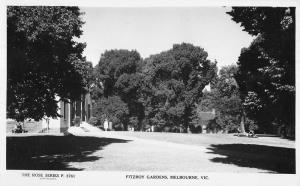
x=266 y=74
x=112 y=65
x=118 y=73
x=162 y=90
x=133 y=121
x=94 y=121
x=173 y=83
x=43 y=60
x=113 y=109
x=225 y=99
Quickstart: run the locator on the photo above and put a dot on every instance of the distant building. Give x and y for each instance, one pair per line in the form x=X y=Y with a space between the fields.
x=207 y=88
x=70 y=112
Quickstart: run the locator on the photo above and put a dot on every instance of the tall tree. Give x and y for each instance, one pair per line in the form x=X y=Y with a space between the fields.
x=112 y=65
x=173 y=83
x=224 y=97
x=43 y=60
x=118 y=73
x=266 y=73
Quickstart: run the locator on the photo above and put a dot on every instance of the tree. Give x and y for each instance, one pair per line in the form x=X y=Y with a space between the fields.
x=43 y=60
x=224 y=97
x=112 y=65
x=266 y=74
x=113 y=109
x=173 y=83
x=118 y=74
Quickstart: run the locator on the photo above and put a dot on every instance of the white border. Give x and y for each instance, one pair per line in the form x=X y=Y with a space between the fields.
x=118 y=178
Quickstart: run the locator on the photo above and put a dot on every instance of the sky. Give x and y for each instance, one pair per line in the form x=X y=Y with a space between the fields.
x=156 y=29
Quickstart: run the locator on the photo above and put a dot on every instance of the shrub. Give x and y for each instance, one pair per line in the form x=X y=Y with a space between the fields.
x=94 y=121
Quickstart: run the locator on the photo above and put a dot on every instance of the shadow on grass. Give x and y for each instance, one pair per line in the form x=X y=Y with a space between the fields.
x=276 y=136
x=52 y=152
x=273 y=159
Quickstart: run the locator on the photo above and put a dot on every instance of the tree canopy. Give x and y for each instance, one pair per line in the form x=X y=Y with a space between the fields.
x=43 y=60
x=161 y=90
x=118 y=74
x=224 y=98
x=266 y=74
x=114 y=68
x=173 y=83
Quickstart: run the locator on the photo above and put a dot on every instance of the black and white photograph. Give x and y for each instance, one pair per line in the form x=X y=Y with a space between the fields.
x=150 y=92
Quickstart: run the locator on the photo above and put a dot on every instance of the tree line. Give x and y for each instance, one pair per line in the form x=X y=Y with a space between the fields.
x=164 y=90
x=161 y=90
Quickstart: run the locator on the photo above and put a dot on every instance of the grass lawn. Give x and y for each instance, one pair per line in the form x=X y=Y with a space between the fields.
x=29 y=126
x=135 y=151
x=269 y=153
x=208 y=139
x=51 y=152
